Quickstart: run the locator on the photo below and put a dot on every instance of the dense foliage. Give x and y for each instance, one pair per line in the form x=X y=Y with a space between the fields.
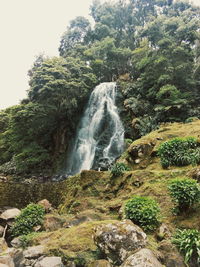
x=151 y=47
x=179 y=152
x=118 y=169
x=30 y=217
x=143 y=211
x=185 y=192
x=188 y=242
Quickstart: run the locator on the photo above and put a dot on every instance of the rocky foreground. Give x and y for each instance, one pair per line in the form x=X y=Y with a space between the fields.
x=120 y=243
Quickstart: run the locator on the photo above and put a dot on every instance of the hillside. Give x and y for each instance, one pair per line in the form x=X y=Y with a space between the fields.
x=95 y=198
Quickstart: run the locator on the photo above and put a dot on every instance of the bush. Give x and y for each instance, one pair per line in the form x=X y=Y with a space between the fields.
x=118 y=169
x=26 y=240
x=185 y=192
x=143 y=211
x=188 y=242
x=179 y=152
x=30 y=216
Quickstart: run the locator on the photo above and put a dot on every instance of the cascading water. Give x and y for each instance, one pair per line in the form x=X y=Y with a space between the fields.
x=100 y=136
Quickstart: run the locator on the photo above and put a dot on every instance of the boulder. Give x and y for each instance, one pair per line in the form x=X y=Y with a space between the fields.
x=49 y=261
x=3 y=265
x=46 y=205
x=143 y=258
x=100 y=263
x=16 y=255
x=10 y=214
x=119 y=240
x=33 y=252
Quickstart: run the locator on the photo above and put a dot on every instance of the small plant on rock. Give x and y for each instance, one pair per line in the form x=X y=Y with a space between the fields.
x=118 y=169
x=179 y=152
x=185 y=192
x=143 y=211
x=30 y=217
x=188 y=243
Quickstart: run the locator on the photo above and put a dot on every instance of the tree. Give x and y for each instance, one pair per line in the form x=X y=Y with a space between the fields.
x=75 y=34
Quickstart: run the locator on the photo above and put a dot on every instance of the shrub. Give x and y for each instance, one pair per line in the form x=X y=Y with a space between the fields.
x=30 y=216
x=185 y=192
x=188 y=242
x=179 y=152
x=143 y=211
x=118 y=169
x=26 y=240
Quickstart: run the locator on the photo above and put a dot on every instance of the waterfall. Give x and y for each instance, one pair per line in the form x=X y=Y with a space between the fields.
x=100 y=136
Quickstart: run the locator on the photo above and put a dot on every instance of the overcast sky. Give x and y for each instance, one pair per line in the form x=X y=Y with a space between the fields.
x=27 y=28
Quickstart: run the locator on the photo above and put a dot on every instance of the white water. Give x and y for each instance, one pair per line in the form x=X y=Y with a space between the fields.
x=100 y=134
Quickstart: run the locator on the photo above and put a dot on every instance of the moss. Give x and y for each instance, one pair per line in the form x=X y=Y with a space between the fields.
x=72 y=242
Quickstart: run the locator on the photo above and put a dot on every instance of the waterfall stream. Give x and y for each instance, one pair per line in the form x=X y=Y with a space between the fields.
x=100 y=136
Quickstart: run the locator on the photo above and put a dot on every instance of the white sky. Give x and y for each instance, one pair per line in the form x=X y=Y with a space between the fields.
x=27 y=28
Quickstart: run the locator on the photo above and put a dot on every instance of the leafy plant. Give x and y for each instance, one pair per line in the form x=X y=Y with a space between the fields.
x=179 y=152
x=143 y=211
x=118 y=169
x=185 y=192
x=30 y=216
x=188 y=242
x=146 y=125
x=25 y=240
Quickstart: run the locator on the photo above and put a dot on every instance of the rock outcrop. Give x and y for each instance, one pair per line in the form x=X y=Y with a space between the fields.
x=118 y=240
x=143 y=258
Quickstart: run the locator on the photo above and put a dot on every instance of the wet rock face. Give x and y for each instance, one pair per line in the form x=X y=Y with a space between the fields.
x=118 y=240
x=143 y=258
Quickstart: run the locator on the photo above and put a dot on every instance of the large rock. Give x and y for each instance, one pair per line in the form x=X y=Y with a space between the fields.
x=33 y=252
x=119 y=240
x=10 y=214
x=16 y=255
x=49 y=262
x=143 y=258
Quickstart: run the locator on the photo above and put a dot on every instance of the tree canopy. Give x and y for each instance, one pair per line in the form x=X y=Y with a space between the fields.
x=150 y=47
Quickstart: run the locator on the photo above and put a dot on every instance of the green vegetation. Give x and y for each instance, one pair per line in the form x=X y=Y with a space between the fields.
x=143 y=211
x=185 y=193
x=26 y=240
x=118 y=169
x=179 y=152
x=30 y=217
x=149 y=47
x=188 y=242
